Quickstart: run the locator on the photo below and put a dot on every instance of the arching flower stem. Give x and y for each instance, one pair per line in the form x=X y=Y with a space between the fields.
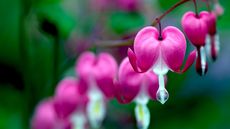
x=196 y=10
x=127 y=42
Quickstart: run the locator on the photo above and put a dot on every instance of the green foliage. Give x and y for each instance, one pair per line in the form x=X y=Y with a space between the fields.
x=57 y=15
x=123 y=22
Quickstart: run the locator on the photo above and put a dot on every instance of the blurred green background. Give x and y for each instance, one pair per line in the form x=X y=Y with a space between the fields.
x=40 y=41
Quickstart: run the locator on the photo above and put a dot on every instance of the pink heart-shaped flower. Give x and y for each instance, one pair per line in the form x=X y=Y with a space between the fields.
x=45 y=117
x=67 y=98
x=150 y=51
x=100 y=70
x=195 y=27
x=131 y=83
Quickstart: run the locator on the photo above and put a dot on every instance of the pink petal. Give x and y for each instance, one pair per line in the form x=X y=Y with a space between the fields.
x=66 y=97
x=190 y=60
x=195 y=28
x=45 y=116
x=146 y=47
x=153 y=84
x=101 y=69
x=133 y=61
x=105 y=72
x=173 y=47
x=210 y=20
x=84 y=67
x=129 y=82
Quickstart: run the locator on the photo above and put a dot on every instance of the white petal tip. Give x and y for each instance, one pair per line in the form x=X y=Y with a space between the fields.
x=162 y=96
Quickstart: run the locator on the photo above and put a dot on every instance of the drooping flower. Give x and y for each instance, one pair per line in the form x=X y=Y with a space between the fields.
x=160 y=52
x=97 y=74
x=69 y=103
x=138 y=87
x=196 y=29
x=45 y=117
x=66 y=110
x=212 y=38
x=67 y=98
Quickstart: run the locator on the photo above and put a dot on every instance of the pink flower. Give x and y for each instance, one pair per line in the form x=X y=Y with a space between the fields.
x=212 y=39
x=160 y=53
x=45 y=117
x=99 y=70
x=196 y=29
x=97 y=74
x=130 y=83
x=138 y=87
x=67 y=98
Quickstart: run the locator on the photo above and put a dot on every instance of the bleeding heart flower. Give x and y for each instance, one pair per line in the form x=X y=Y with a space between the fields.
x=98 y=74
x=45 y=117
x=160 y=52
x=100 y=70
x=192 y=24
x=138 y=87
x=67 y=98
x=196 y=29
x=130 y=83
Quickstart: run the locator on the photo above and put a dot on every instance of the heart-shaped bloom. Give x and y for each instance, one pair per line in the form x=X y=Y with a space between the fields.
x=196 y=28
x=130 y=84
x=99 y=70
x=97 y=74
x=138 y=87
x=45 y=117
x=67 y=98
x=160 y=53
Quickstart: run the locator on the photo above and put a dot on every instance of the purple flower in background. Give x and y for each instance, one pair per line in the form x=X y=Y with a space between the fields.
x=128 y=5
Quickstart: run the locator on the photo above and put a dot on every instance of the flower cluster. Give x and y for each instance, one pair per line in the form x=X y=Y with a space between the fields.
x=141 y=76
x=65 y=110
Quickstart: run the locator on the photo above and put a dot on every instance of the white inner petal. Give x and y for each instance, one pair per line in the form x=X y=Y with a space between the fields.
x=96 y=108
x=160 y=68
x=208 y=45
x=78 y=120
x=142 y=115
x=203 y=59
x=217 y=43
